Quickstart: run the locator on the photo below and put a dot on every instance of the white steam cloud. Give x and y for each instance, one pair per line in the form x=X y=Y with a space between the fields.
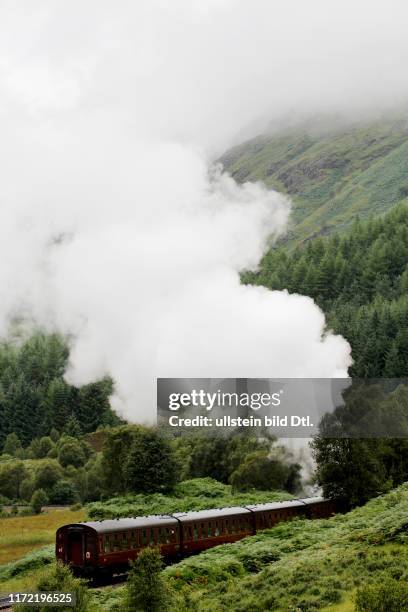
x=115 y=226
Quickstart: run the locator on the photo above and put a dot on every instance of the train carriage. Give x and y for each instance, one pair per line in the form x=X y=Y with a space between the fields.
x=320 y=507
x=270 y=514
x=107 y=547
x=111 y=544
x=208 y=528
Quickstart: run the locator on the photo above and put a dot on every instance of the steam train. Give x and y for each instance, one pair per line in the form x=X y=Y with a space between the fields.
x=99 y=548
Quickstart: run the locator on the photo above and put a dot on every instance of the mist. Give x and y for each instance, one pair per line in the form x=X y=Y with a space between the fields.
x=118 y=229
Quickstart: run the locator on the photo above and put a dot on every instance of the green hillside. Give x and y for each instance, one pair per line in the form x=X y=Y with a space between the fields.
x=305 y=565
x=331 y=174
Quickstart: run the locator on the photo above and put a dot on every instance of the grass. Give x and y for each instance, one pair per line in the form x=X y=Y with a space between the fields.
x=21 y=534
x=22 y=575
x=300 y=566
x=345 y=606
x=331 y=174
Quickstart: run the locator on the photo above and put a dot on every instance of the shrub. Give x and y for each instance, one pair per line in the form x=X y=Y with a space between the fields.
x=39 y=448
x=63 y=492
x=60 y=579
x=54 y=435
x=12 y=444
x=259 y=471
x=38 y=500
x=390 y=596
x=29 y=563
x=27 y=488
x=26 y=511
x=12 y=475
x=146 y=589
x=76 y=507
x=47 y=474
x=71 y=453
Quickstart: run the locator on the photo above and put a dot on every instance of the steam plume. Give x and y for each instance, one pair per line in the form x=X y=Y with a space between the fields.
x=116 y=228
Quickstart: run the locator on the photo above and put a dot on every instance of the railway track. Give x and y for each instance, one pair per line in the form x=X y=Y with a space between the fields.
x=5 y=602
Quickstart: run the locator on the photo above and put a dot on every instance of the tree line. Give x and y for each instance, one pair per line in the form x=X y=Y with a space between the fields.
x=360 y=280
x=136 y=459
x=140 y=459
x=356 y=454
x=34 y=397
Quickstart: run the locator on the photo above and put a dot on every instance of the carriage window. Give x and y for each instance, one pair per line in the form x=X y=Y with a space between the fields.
x=152 y=537
x=106 y=544
x=195 y=531
x=124 y=541
x=209 y=531
x=144 y=538
x=116 y=542
x=190 y=532
x=217 y=529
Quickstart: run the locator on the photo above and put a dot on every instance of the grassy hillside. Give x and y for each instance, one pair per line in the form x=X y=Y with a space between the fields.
x=301 y=565
x=20 y=561
x=331 y=174
x=22 y=534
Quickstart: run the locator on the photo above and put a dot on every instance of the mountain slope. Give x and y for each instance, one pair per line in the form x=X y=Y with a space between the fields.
x=302 y=565
x=331 y=174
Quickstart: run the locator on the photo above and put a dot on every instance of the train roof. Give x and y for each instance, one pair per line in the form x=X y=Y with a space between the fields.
x=291 y=503
x=123 y=524
x=313 y=500
x=203 y=515
x=157 y=520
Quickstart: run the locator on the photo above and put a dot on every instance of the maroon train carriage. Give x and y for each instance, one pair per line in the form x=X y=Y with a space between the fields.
x=319 y=507
x=269 y=514
x=207 y=528
x=107 y=546
x=110 y=545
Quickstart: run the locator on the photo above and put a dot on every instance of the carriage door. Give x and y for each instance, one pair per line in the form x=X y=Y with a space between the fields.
x=76 y=547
